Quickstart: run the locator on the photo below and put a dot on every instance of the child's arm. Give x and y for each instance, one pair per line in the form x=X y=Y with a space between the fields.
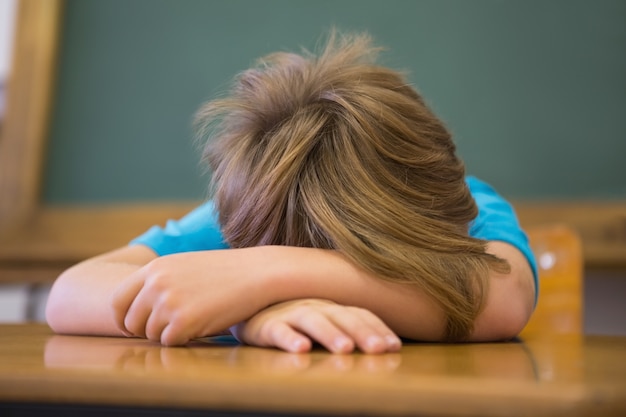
x=289 y=325
x=178 y=297
x=80 y=299
x=80 y=303
x=295 y=325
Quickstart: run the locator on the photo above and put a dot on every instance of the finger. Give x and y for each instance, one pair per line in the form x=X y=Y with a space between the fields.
x=138 y=313
x=322 y=329
x=282 y=336
x=123 y=298
x=155 y=325
x=175 y=334
x=369 y=332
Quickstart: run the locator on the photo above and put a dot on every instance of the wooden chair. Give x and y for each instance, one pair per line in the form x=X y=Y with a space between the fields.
x=559 y=311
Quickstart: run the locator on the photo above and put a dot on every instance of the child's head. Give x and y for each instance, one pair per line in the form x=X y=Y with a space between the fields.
x=334 y=151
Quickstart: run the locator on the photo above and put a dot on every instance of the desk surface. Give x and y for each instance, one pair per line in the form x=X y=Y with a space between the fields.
x=576 y=375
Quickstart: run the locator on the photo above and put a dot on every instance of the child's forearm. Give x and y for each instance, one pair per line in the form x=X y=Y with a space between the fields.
x=80 y=299
x=403 y=307
x=79 y=302
x=316 y=273
x=176 y=298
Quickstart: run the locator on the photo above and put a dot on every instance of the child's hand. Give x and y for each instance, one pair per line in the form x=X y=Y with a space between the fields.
x=294 y=326
x=176 y=298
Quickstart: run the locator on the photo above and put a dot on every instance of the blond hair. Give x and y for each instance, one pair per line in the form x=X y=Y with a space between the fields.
x=334 y=151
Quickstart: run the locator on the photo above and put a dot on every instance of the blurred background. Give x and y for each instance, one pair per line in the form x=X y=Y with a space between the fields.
x=533 y=91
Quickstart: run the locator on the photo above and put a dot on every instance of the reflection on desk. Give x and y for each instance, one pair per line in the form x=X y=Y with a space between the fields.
x=576 y=375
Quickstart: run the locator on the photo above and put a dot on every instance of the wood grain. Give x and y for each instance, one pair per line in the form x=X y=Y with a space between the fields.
x=583 y=376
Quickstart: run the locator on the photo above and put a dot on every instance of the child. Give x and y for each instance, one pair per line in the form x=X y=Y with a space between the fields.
x=340 y=214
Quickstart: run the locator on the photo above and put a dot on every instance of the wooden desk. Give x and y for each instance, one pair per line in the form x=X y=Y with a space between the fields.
x=571 y=376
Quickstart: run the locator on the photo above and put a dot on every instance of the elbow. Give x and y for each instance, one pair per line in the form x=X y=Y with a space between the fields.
x=53 y=318
x=55 y=310
x=510 y=299
x=500 y=321
x=510 y=324
x=504 y=315
x=60 y=312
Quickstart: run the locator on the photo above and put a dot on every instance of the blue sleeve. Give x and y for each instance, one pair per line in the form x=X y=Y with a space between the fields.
x=196 y=231
x=497 y=220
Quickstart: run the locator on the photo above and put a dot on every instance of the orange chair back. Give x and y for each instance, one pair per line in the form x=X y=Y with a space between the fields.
x=559 y=310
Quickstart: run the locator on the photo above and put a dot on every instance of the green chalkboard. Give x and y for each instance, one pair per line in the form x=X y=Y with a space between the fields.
x=534 y=90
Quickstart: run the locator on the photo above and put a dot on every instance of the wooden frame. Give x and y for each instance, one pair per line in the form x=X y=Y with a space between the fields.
x=28 y=108
x=37 y=242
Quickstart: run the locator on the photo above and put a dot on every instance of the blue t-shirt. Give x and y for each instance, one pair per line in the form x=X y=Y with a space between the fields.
x=200 y=230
